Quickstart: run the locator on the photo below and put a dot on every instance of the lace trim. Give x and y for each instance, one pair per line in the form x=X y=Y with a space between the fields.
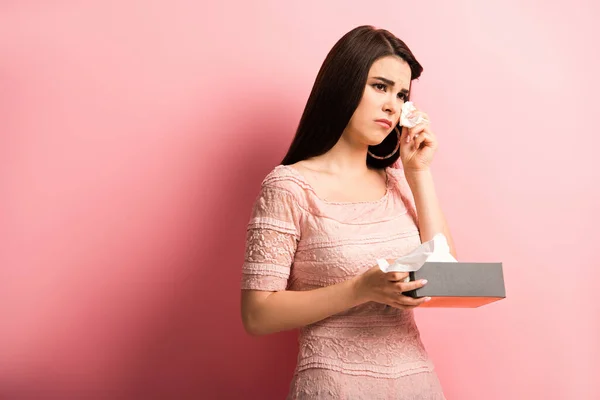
x=373 y=371
x=266 y=269
x=325 y=384
x=317 y=243
x=273 y=224
x=263 y=283
x=402 y=318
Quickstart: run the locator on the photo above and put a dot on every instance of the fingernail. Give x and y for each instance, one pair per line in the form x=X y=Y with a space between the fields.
x=424 y=281
x=427 y=298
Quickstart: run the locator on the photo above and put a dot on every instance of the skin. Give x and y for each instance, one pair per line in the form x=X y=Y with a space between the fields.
x=342 y=175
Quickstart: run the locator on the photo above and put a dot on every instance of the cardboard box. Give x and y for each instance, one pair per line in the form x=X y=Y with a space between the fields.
x=459 y=284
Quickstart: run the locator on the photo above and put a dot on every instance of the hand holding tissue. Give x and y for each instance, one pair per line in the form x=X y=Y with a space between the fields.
x=409 y=117
x=450 y=283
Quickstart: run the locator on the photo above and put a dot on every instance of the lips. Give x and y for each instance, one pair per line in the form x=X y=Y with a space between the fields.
x=385 y=121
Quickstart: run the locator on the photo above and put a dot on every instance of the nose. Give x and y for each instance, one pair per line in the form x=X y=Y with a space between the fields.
x=391 y=106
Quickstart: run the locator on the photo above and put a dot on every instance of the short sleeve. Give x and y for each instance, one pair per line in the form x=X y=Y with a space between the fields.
x=271 y=239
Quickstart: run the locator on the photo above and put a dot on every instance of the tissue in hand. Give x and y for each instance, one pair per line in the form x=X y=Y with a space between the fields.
x=436 y=249
x=409 y=116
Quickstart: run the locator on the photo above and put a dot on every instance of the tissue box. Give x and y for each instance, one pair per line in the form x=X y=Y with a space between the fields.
x=459 y=284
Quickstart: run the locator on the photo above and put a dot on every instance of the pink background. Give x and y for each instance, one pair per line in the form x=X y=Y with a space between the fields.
x=134 y=136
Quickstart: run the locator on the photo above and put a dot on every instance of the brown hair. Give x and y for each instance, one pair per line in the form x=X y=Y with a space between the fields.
x=338 y=89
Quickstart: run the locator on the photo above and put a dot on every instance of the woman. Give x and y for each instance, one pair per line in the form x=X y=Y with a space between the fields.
x=353 y=188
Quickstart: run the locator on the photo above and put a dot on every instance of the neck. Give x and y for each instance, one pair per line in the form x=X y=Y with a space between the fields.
x=346 y=158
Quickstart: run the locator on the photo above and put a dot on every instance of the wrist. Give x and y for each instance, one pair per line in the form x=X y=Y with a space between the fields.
x=416 y=175
x=357 y=291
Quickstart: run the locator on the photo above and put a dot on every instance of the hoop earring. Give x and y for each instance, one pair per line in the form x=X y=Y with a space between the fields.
x=398 y=134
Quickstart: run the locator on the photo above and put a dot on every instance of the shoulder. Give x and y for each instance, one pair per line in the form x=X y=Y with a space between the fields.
x=396 y=171
x=287 y=179
x=285 y=184
x=398 y=180
x=400 y=185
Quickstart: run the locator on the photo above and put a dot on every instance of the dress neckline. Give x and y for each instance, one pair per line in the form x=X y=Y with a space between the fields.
x=300 y=176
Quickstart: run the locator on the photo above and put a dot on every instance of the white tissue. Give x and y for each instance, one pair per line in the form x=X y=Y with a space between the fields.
x=436 y=249
x=409 y=117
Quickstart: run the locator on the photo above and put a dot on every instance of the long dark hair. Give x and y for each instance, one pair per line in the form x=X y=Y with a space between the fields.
x=338 y=89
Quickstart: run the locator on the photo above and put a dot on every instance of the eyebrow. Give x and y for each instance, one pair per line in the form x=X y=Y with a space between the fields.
x=389 y=82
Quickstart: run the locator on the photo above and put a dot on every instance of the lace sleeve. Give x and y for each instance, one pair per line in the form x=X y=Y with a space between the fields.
x=271 y=239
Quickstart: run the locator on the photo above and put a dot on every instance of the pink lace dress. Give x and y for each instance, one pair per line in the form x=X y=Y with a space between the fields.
x=297 y=241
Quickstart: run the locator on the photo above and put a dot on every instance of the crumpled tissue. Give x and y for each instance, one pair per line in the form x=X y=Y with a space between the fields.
x=436 y=249
x=409 y=117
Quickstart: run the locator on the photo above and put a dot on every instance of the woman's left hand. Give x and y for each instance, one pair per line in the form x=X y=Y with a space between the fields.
x=417 y=146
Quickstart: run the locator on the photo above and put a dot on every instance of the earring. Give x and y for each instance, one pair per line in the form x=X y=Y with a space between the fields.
x=398 y=134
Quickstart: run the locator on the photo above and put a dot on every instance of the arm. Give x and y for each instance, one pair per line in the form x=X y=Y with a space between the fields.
x=269 y=312
x=272 y=236
x=266 y=305
x=266 y=312
x=429 y=211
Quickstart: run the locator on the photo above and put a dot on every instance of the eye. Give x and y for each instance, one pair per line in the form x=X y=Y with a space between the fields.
x=379 y=86
x=403 y=96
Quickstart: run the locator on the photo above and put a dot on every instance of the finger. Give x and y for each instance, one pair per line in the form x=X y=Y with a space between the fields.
x=420 y=138
x=405 y=134
x=416 y=131
x=416 y=143
x=412 y=302
x=412 y=285
x=426 y=137
x=396 y=276
x=403 y=307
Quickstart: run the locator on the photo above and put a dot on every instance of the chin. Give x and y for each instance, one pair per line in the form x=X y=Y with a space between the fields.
x=374 y=142
x=374 y=137
x=380 y=137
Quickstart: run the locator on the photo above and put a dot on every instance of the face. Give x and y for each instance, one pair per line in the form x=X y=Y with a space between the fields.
x=385 y=92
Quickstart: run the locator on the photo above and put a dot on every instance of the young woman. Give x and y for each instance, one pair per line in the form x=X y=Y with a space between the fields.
x=354 y=187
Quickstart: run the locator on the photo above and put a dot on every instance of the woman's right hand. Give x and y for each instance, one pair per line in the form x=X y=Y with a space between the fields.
x=387 y=288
